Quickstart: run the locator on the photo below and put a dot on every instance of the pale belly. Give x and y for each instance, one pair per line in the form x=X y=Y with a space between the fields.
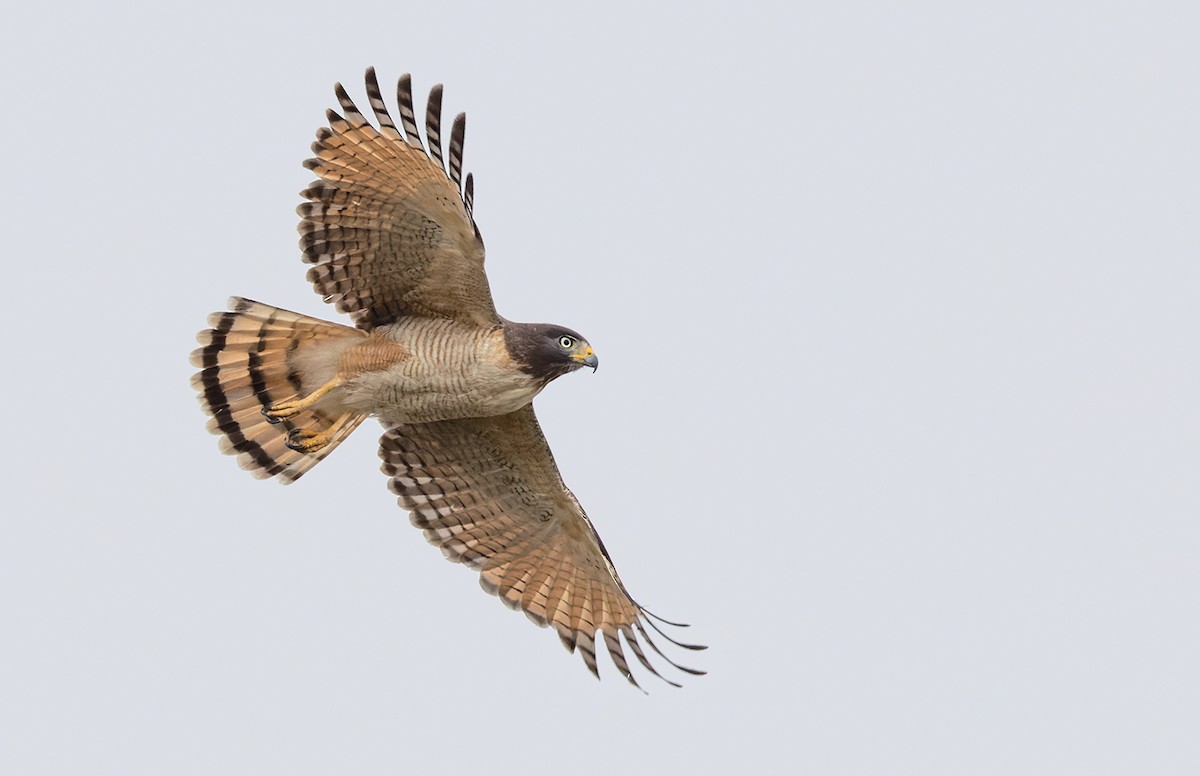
x=402 y=397
x=446 y=374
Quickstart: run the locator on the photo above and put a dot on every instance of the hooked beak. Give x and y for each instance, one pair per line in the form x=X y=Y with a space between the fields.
x=587 y=358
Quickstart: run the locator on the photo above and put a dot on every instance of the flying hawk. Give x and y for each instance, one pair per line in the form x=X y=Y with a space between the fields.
x=388 y=230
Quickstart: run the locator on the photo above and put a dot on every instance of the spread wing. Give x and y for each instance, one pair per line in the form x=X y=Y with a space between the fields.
x=487 y=492
x=388 y=225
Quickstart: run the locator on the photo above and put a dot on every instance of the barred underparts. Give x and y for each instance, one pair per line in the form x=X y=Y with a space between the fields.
x=388 y=228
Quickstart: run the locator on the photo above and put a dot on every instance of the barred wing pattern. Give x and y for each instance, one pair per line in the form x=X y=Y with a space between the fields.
x=488 y=493
x=388 y=226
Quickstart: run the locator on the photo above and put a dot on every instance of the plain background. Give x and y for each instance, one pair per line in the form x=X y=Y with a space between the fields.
x=897 y=310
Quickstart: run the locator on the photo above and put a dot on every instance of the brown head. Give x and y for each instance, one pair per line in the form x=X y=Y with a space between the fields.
x=546 y=350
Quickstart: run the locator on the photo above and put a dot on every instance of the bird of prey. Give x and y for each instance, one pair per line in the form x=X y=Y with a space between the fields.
x=389 y=232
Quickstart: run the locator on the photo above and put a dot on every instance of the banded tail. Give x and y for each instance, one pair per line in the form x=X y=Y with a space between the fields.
x=255 y=356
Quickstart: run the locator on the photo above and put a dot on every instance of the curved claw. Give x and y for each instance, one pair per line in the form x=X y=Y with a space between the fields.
x=305 y=441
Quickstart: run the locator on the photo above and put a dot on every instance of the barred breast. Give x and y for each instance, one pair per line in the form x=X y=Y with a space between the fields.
x=423 y=370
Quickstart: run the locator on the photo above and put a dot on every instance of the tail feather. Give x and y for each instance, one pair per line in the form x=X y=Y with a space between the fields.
x=246 y=364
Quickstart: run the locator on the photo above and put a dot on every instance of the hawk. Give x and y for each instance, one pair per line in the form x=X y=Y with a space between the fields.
x=389 y=232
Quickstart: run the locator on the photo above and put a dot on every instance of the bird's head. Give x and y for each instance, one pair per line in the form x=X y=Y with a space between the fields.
x=546 y=350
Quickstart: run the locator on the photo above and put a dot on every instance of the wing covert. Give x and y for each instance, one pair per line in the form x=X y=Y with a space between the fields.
x=386 y=225
x=488 y=493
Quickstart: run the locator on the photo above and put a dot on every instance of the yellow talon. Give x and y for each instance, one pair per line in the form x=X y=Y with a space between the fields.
x=289 y=409
x=305 y=441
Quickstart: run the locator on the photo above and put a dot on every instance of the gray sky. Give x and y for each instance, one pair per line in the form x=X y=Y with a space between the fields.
x=898 y=315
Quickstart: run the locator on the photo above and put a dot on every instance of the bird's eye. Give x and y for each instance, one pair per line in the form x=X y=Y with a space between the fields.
x=566 y=342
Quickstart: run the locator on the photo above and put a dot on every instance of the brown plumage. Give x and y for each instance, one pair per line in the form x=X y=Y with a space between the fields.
x=389 y=232
x=244 y=361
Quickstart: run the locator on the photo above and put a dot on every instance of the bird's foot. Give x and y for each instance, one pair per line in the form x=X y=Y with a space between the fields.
x=306 y=441
x=289 y=409
x=282 y=410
